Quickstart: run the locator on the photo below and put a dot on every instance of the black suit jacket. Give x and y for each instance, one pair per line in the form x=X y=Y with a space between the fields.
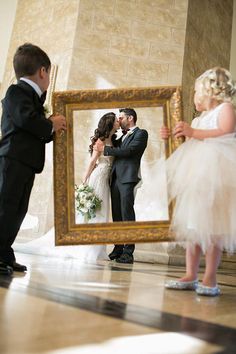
x=25 y=129
x=128 y=155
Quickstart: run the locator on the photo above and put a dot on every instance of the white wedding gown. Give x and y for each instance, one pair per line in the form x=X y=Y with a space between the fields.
x=202 y=180
x=45 y=245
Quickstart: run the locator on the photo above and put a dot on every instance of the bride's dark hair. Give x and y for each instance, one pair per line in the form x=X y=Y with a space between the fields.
x=105 y=126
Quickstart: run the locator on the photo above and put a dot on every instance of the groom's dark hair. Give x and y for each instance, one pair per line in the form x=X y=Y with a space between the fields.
x=129 y=112
x=28 y=59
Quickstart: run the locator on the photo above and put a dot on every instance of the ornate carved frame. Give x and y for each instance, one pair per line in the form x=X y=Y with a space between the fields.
x=69 y=233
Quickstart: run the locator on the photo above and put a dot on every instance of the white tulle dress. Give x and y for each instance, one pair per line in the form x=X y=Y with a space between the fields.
x=45 y=245
x=201 y=176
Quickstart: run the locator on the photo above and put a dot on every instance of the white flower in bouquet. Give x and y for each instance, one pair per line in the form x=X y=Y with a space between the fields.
x=47 y=110
x=86 y=201
x=130 y=132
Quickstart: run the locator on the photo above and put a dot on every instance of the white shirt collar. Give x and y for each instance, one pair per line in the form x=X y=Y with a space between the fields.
x=129 y=132
x=33 y=85
x=132 y=128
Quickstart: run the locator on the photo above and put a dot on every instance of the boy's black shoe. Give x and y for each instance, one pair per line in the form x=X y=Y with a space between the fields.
x=5 y=269
x=17 y=267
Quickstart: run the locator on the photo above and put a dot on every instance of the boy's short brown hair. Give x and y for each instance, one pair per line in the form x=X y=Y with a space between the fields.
x=28 y=59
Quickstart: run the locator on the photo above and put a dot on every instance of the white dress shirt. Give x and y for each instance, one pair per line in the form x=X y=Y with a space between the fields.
x=36 y=87
x=130 y=131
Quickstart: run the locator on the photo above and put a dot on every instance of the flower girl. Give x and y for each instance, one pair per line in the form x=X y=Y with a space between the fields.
x=201 y=177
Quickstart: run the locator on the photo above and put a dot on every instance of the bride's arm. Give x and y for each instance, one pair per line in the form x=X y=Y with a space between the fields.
x=92 y=164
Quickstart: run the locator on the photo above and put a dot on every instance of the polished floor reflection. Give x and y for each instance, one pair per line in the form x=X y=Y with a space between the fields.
x=63 y=306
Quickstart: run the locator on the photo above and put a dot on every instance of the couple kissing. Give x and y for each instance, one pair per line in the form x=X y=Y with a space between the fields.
x=114 y=171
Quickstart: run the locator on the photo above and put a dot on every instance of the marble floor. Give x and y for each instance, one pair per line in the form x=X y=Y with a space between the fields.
x=63 y=306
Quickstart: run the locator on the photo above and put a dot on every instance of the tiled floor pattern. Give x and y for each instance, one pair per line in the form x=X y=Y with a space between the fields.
x=63 y=306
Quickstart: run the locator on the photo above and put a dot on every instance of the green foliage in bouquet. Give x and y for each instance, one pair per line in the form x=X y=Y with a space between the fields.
x=86 y=201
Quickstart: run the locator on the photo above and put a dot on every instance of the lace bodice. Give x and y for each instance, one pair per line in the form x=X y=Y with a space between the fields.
x=105 y=161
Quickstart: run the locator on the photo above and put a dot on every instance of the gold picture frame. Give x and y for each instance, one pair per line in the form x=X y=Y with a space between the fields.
x=67 y=232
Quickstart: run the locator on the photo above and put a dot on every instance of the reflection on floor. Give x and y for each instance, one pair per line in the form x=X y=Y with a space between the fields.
x=63 y=306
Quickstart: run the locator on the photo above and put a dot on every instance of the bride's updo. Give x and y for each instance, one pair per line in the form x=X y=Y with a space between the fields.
x=218 y=84
x=105 y=126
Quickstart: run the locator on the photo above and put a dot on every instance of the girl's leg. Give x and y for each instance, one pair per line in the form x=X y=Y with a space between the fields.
x=213 y=257
x=193 y=254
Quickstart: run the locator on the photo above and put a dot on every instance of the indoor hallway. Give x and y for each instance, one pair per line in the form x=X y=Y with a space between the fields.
x=63 y=306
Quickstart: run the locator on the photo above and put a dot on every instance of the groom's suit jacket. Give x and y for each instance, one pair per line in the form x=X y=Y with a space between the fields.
x=128 y=155
x=25 y=130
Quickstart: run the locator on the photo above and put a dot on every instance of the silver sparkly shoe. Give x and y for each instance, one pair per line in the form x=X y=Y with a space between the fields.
x=181 y=285
x=208 y=290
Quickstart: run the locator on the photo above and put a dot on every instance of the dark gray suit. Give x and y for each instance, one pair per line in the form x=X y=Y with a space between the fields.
x=125 y=175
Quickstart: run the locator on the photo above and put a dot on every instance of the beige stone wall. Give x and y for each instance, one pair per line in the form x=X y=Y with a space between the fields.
x=7 y=17
x=208 y=43
x=120 y=43
x=51 y=25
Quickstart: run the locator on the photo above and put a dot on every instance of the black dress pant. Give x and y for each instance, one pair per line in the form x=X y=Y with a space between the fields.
x=16 y=181
x=122 y=202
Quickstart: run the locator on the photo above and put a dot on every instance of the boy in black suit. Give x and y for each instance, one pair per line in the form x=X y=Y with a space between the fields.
x=25 y=131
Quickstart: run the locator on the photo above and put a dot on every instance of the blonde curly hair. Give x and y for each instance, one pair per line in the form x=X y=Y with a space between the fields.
x=218 y=84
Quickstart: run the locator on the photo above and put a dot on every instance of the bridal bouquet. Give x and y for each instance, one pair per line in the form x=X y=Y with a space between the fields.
x=86 y=201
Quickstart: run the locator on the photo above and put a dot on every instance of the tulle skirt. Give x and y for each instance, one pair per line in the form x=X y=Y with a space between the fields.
x=201 y=179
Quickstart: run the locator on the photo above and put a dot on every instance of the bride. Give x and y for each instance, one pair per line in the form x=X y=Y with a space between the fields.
x=97 y=176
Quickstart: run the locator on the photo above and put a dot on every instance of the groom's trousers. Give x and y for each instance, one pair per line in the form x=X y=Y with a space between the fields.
x=16 y=181
x=122 y=202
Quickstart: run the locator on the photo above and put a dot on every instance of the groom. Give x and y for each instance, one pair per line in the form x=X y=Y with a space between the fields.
x=125 y=176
